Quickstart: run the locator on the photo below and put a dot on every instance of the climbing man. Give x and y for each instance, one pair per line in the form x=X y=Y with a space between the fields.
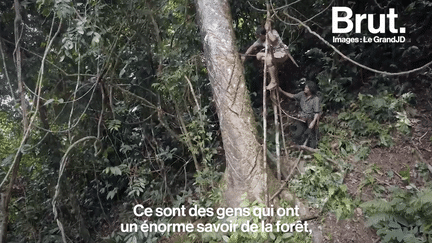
x=310 y=114
x=277 y=51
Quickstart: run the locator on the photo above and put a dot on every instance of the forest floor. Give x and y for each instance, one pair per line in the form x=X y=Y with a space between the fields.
x=382 y=170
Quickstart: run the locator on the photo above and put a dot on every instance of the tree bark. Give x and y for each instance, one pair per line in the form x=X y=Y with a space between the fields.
x=245 y=171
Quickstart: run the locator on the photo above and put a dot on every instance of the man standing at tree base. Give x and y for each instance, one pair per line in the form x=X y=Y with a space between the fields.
x=310 y=113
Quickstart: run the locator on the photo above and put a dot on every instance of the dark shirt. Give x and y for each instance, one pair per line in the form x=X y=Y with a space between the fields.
x=309 y=106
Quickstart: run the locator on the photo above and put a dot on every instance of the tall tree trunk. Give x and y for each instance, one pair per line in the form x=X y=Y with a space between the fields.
x=245 y=171
x=7 y=194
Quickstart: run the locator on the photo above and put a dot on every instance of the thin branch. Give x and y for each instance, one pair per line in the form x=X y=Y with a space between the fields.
x=420 y=156
x=281 y=123
x=379 y=6
x=57 y=187
x=187 y=139
x=264 y=112
x=6 y=72
x=277 y=132
x=6 y=196
x=148 y=103
x=352 y=61
x=74 y=95
x=306 y=148
x=28 y=128
x=49 y=62
x=78 y=120
x=257 y=9
x=400 y=177
x=316 y=15
x=292 y=117
x=285 y=6
x=263 y=10
x=193 y=93
x=100 y=122
x=65 y=102
x=141 y=122
x=290 y=174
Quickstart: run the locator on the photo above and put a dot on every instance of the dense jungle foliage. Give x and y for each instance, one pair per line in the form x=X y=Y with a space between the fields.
x=121 y=113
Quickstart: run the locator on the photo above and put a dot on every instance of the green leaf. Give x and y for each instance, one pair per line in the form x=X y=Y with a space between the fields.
x=111 y=194
x=96 y=38
x=394 y=225
x=48 y=102
x=122 y=71
x=125 y=148
x=132 y=239
x=114 y=125
x=272 y=236
x=80 y=30
x=113 y=170
x=225 y=238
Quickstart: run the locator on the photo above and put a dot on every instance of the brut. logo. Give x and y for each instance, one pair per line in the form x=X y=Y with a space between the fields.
x=336 y=19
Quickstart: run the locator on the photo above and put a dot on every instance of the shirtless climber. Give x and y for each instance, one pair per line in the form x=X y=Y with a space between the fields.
x=277 y=52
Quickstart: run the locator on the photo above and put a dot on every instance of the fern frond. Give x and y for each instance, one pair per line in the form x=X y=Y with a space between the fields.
x=377 y=218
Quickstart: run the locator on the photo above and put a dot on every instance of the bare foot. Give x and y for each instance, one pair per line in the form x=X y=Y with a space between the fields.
x=271 y=85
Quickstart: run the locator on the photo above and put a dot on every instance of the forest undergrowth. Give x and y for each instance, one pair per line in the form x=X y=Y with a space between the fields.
x=342 y=180
x=389 y=201
x=395 y=200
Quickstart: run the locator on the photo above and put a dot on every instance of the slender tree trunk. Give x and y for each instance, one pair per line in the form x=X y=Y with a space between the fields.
x=245 y=171
x=6 y=72
x=6 y=195
x=277 y=134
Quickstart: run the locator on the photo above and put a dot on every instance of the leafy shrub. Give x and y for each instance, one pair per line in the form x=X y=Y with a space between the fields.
x=383 y=107
x=335 y=92
x=324 y=188
x=406 y=217
x=208 y=186
x=254 y=237
x=365 y=117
